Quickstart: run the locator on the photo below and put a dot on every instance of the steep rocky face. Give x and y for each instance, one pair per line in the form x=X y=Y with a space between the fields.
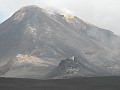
x=72 y=67
x=54 y=36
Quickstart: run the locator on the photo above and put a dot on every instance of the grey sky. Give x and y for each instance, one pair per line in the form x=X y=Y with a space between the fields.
x=102 y=13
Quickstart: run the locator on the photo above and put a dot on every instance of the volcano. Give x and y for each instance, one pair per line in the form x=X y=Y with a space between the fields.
x=34 y=41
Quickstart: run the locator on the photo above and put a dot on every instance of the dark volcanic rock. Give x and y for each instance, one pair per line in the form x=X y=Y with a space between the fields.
x=72 y=67
x=93 y=83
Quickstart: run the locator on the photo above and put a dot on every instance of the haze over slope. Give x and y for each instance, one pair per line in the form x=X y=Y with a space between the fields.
x=34 y=34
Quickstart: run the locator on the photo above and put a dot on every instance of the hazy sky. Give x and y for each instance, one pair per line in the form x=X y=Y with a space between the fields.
x=102 y=13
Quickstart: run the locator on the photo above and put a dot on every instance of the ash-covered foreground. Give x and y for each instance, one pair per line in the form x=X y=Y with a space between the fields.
x=94 y=83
